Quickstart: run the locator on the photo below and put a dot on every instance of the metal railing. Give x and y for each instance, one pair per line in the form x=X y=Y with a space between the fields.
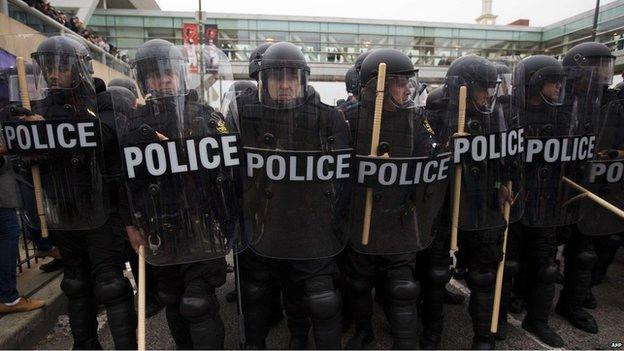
x=97 y=53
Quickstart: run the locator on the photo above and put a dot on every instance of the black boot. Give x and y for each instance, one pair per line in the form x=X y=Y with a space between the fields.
x=483 y=343
x=590 y=301
x=578 y=317
x=299 y=330
x=83 y=322
x=430 y=340
x=360 y=339
x=543 y=332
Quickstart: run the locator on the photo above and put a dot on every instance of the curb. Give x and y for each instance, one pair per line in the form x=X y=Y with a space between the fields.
x=23 y=330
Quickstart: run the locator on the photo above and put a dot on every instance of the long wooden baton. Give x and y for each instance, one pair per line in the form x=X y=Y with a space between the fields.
x=461 y=120
x=34 y=168
x=501 y=268
x=141 y=291
x=368 y=209
x=595 y=198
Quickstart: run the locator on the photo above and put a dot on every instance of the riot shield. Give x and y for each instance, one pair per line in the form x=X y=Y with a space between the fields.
x=406 y=175
x=606 y=171
x=179 y=163
x=558 y=119
x=60 y=134
x=210 y=73
x=489 y=147
x=296 y=170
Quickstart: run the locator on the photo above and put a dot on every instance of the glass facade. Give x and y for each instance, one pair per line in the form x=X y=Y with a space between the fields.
x=338 y=41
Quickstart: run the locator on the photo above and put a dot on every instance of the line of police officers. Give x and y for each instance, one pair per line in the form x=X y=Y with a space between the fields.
x=298 y=244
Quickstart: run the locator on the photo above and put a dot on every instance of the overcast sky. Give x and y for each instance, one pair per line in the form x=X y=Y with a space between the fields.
x=539 y=12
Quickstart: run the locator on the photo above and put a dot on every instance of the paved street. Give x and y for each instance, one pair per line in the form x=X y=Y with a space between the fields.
x=457 y=333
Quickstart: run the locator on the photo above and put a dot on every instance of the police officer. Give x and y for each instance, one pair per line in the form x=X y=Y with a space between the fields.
x=284 y=99
x=538 y=96
x=590 y=71
x=187 y=290
x=93 y=259
x=482 y=245
x=433 y=263
x=406 y=136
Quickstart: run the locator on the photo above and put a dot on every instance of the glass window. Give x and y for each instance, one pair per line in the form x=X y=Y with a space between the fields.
x=272 y=25
x=272 y=36
x=166 y=22
x=342 y=28
x=128 y=21
x=304 y=27
x=373 y=29
x=96 y=20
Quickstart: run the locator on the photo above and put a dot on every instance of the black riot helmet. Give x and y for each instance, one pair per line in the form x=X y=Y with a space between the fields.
x=481 y=79
x=360 y=59
x=160 y=69
x=83 y=50
x=63 y=63
x=352 y=81
x=539 y=79
x=399 y=86
x=125 y=83
x=435 y=99
x=591 y=61
x=255 y=58
x=283 y=77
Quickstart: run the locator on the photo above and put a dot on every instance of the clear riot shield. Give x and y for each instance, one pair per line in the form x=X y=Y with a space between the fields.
x=60 y=133
x=180 y=165
x=606 y=171
x=405 y=177
x=210 y=73
x=489 y=148
x=296 y=171
x=558 y=117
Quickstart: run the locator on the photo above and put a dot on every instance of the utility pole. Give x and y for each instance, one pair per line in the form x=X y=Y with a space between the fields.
x=595 y=29
x=200 y=29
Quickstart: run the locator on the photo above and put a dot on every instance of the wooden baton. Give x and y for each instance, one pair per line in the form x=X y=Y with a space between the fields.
x=34 y=168
x=461 y=120
x=498 y=289
x=368 y=209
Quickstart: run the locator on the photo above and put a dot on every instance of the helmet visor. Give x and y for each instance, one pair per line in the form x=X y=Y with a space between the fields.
x=283 y=87
x=61 y=71
x=159 y=78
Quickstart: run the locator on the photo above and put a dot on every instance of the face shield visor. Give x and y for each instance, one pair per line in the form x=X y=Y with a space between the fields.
x=160 y=78
x=61 y=72
x=400 y=91
x=549 y=85
x=482 y=95
x=506 y=85
x=283 y=87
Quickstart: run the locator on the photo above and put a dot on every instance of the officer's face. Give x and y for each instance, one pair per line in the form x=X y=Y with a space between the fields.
x=59 y=77
x=400 y=89
x=551 y=90
x=167 y=83
x=481 y=97
x=285 y=86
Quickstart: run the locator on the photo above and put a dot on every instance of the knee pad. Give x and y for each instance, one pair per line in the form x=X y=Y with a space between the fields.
x=439 y=275
x=254 y=291
x=548 y=275
x=169 y=298
x=402 y=290
x=586 y=259
x=512 y=267
x=199 y=307
x=75 y=287
x=323 y=300
x=112 y=288
x=481 y=279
